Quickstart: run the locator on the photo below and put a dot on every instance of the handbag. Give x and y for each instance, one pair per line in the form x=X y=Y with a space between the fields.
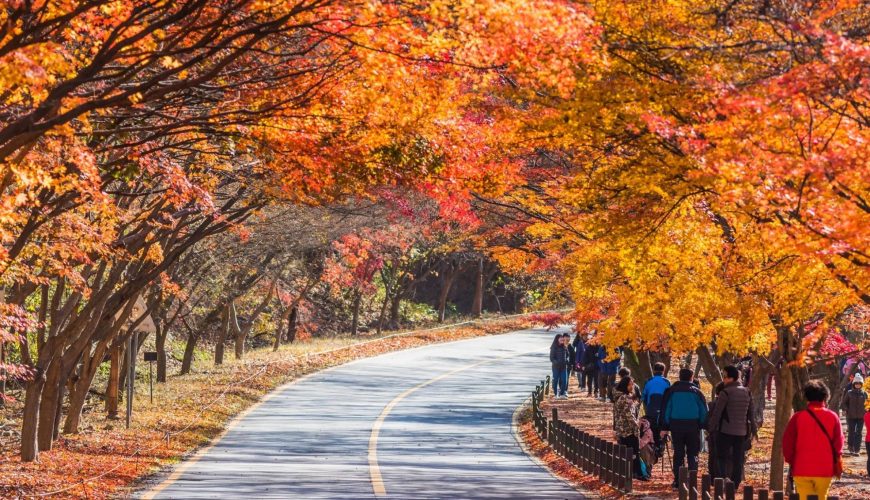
x=838 y=459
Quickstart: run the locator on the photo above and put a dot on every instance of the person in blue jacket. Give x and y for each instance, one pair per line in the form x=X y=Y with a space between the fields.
x=607 y=371
x=684 y=414
x=652 y=397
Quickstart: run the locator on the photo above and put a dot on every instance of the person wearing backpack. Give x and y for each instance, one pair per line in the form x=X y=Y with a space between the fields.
x=853 y=405
x=683 y=414
x=652 y=397
x=731 y=426
x=813 y=443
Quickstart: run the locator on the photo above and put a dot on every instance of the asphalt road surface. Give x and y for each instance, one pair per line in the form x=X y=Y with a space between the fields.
x=431 y=422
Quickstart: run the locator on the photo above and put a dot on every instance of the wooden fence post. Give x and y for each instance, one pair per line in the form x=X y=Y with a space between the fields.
x=747 y=492
x=729 y=490
x=762 y=494
x=629 y=469
x=587 y=453
x=575 y=446
x=706 y=481
x=599 y=458
x=719 y=488
x=693 y=484
x=683 y=483
x=778 y=495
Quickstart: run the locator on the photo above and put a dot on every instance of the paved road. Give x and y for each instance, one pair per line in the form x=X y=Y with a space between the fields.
x=433 y=422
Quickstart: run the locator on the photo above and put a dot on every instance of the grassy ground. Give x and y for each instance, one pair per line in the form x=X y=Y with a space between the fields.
x=188 y=411
x=596 y=418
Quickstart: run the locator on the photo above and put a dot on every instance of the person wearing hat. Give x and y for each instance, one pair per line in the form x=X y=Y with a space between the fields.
x=853 y=406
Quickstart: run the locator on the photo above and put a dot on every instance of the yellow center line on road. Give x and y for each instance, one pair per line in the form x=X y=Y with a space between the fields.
x=374 y=469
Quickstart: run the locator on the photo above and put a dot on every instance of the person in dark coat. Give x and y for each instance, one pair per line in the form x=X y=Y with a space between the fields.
x=579 y=350
x=572 y=354
x=590 y=369
x=731 y=426
x=853 y=406
x=559 y=361
x=684 y=414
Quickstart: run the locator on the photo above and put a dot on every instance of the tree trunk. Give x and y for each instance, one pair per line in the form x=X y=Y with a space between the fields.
x=761 y=368
x=708 y=362
x=395 y=306
x=635 y=362
x=48 y=406
x=284 y=319
x=383 y=313
x=114 y=384
x=79 y=390
x=160 y=343
x=447 y=280
x=77 y=398
x=839 y=383
x=30 y=419
x=644 y=372
x=189 y=349
x=785 y=391
x=357 y=301
x=222 y=335
x=242 y=333
x=477 y=300
x=293 y=325
x=58 y=412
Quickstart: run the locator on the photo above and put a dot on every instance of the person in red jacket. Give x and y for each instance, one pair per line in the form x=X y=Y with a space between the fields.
x=813 y=444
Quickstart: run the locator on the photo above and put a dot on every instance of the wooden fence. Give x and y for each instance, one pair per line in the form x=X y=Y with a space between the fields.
x=723 y=489
x=610 y=462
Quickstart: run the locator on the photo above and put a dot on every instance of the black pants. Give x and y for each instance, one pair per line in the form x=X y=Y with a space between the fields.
x=657 y=437
x=633 y=443
x=686 y=444
x=855 y=427
x=591 y=381
x=731 y=454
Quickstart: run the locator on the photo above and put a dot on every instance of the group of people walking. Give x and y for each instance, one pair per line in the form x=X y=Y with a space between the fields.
x=595 y=372
x=678 y=416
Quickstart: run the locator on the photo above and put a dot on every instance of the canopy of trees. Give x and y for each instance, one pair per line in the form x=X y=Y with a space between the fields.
x=692 y=175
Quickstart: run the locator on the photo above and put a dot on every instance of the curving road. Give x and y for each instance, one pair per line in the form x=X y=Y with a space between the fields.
x=432 y=422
